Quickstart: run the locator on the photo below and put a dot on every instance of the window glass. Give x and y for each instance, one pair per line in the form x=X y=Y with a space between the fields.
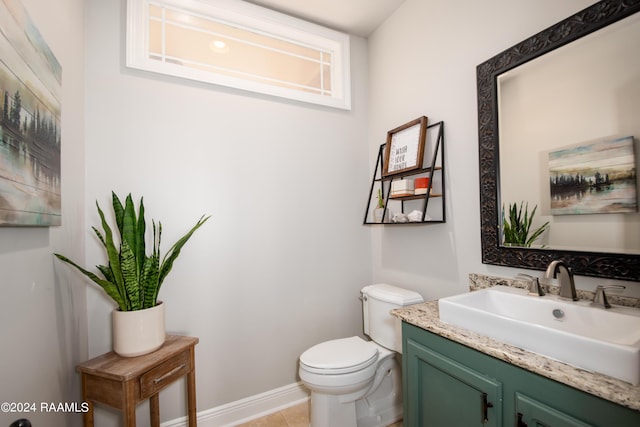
x=240 y=45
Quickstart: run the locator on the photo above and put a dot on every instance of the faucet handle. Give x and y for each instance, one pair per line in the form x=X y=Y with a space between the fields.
x=600 y=297
x=535 y=288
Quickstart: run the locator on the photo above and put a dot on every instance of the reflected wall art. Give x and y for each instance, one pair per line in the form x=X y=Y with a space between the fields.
x=594 y=178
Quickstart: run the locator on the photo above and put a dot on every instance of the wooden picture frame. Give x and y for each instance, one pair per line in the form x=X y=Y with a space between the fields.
x=404 y=149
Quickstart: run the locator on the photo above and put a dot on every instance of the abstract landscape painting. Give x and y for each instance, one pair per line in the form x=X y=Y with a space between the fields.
x=594 y=178
x=30 y=86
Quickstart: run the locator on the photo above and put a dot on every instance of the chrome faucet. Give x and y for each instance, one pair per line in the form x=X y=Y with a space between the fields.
x=600 y=298
x=565 y=279
x=535 y=288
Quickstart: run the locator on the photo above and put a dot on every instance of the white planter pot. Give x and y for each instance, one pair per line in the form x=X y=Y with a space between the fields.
x=138 y=332
x=377 y=214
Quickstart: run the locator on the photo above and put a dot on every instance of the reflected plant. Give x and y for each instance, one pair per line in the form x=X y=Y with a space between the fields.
x=516 y=227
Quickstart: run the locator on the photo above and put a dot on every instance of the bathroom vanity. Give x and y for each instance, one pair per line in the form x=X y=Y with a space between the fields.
x=455 y=377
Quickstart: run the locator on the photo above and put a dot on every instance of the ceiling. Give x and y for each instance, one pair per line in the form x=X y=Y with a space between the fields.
x=358 y=17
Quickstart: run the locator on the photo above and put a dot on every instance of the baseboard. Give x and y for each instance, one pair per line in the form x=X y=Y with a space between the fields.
x=242 y=411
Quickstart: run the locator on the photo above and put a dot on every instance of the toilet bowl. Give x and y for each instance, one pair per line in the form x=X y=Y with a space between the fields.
x=355 y=382
x=342 y=372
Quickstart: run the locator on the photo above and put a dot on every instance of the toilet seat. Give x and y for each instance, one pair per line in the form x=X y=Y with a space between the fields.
x=341 y=356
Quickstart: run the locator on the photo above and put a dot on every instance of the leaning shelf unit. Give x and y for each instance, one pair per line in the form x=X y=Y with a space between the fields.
x=431 y=205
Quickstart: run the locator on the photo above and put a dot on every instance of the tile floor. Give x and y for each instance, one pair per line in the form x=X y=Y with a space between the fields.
x=295 y=416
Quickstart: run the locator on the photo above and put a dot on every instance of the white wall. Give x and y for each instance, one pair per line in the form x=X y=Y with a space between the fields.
x=43 y=307
x=280 y=264
x=423 y=61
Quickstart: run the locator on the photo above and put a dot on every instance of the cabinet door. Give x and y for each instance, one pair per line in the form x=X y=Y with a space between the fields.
x=532 y=413
x=441 y=392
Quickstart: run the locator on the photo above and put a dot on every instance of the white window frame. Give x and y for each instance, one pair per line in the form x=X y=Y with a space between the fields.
x=247 y=15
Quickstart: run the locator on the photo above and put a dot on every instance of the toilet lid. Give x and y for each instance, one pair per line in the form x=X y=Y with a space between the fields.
x=340 y=356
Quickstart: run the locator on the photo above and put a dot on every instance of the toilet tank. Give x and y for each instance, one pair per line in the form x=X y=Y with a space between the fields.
x=377 y=301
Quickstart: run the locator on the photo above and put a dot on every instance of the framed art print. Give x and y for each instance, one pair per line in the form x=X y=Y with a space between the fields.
x=405 y=147
x=30 y=113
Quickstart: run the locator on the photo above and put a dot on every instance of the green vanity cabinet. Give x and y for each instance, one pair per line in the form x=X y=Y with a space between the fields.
x=440 y=391
x=446 y=384
x=532 y=413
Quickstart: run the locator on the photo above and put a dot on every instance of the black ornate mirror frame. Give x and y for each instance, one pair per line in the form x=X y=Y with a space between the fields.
x=596 y=264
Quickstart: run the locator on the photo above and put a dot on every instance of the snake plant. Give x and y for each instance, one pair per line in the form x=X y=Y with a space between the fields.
x=380 y=199
x=517 y=226
x=132 y=278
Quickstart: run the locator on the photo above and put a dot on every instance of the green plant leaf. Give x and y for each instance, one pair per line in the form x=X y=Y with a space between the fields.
x=118 y=211
x=112 y=253
x=107 y=273
x=130 y=276
x=129 y=222
x=99 y=234
x=517 y=227
x=150 y=274
x=110 y=288
x=174 y=252
x=140 y=248
x=538 y=232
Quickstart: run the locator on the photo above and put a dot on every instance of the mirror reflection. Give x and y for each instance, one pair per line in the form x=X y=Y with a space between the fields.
x=571 y=125
x=571 y=118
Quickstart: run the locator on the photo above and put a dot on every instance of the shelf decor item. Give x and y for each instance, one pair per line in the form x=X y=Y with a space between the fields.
x=421 y=186
x=402 y=188
x=132 y=278
x=378 y=211
x=405 y=147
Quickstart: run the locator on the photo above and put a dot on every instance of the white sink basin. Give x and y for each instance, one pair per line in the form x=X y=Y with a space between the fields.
x=591 y=338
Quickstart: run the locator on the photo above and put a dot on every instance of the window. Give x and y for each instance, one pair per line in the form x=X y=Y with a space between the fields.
x=240 y=45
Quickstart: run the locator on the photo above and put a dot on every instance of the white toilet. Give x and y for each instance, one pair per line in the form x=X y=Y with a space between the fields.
x=358 y=383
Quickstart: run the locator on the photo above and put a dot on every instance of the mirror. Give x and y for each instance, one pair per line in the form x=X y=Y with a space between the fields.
x=501 y=88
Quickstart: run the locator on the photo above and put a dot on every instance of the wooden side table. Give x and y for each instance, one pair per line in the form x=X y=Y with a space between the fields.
x=123 y=382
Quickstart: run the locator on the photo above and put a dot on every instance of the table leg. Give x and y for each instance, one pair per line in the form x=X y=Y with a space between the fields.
x=191 y=392
x=87 y=416
x=128 y=405
x=154 y=410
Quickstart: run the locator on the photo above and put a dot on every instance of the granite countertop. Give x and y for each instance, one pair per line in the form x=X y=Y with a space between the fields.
x=426 y=316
